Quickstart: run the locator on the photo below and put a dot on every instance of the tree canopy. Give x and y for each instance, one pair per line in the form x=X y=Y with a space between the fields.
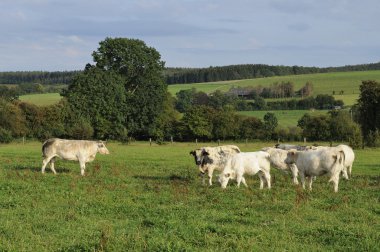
x=124 y=90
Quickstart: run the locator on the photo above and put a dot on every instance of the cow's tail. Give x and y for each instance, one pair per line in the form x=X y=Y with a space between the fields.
x=45 y=145
x=338 y=165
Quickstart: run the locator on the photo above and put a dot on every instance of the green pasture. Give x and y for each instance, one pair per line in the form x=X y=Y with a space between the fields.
x=41 y=99
x=285 y=117
x=324 y=83
x=150 y=198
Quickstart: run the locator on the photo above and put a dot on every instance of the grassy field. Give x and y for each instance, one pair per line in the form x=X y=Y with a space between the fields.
x=41 y=99
x=285 y=117
x=324 y=83
x=142 y=198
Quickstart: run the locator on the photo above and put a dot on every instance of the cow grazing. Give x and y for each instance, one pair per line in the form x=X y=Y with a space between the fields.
x=247 y=163
x=75 y=150
x=317 y=163
x=277 y=160
x=213 y=158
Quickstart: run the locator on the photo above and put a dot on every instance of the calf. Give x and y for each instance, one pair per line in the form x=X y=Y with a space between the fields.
x=247 y=163
x=317 y=163
x=213 y=158
x=76 y=150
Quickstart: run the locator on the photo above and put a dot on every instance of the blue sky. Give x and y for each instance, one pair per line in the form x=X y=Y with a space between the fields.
x=60 y=35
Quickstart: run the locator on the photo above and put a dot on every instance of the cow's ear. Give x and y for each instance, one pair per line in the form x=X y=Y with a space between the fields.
x=192 y=153
x=205 y=153
x=227 y=175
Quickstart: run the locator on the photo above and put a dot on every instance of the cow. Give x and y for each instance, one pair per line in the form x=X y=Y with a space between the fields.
x=213 y=158
x=317 y=163
x=277 y=160
x=247 y=163
x=76 y=150
x=348 y=161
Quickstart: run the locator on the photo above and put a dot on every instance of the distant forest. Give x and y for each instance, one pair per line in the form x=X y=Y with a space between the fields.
x=189 y=75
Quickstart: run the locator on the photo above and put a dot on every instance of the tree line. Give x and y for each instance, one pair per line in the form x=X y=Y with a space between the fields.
x=185 y=99
x=188 y=75
x=250 y=71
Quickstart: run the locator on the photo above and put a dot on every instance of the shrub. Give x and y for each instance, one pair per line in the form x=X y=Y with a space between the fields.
x=5 y=136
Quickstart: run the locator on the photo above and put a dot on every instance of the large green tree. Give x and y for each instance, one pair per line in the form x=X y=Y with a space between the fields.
x=141 y=67
x=124 y=91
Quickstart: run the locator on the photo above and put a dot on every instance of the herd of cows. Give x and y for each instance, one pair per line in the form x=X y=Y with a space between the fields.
x=307 y=162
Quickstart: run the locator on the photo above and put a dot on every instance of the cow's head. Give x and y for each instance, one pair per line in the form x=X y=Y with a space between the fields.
x=197 y=154
x=224 y=178
x=201 y=159
x=291 y=157
x=102 y=149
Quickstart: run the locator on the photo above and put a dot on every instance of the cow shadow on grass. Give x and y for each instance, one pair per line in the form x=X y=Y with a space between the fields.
x=38 y=169
x=164 y=178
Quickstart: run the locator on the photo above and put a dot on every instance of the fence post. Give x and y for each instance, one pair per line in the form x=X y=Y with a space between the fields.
x=246 y=141
x=196 y=141
x=171 y=139
x=218 y=142
x=150 y=141
x=304 y=139
x=23 y=140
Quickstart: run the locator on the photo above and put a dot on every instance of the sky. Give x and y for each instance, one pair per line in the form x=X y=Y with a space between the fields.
x=60 y=35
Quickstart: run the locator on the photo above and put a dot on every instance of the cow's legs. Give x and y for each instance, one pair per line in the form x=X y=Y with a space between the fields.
x=302 y=178
x=349 y=171
x=261 y=176
x=52 y=165
x=310 y=180
x=82 y=167
x=294 y=170
x=45 y=162
x=267 y=179
x=210 y=171
x=240 y=178
x=335 y=180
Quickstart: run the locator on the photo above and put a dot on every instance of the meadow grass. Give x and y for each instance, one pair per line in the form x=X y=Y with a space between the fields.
x=285 y=117
x=41 y=99
x=150 y=198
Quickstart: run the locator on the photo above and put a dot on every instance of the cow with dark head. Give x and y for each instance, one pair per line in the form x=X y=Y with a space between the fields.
x=213 y=158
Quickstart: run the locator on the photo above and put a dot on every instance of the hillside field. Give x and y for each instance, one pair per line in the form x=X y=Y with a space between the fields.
x=150 y=198
x=285 y=117
x=324 y=83
x=41 y=99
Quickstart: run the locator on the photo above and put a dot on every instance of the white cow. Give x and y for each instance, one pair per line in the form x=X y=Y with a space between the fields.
x=213 y=158
x=247 y=163
x=349 y=157
x=317 y=163
x=277 y=160
x=75 y=150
